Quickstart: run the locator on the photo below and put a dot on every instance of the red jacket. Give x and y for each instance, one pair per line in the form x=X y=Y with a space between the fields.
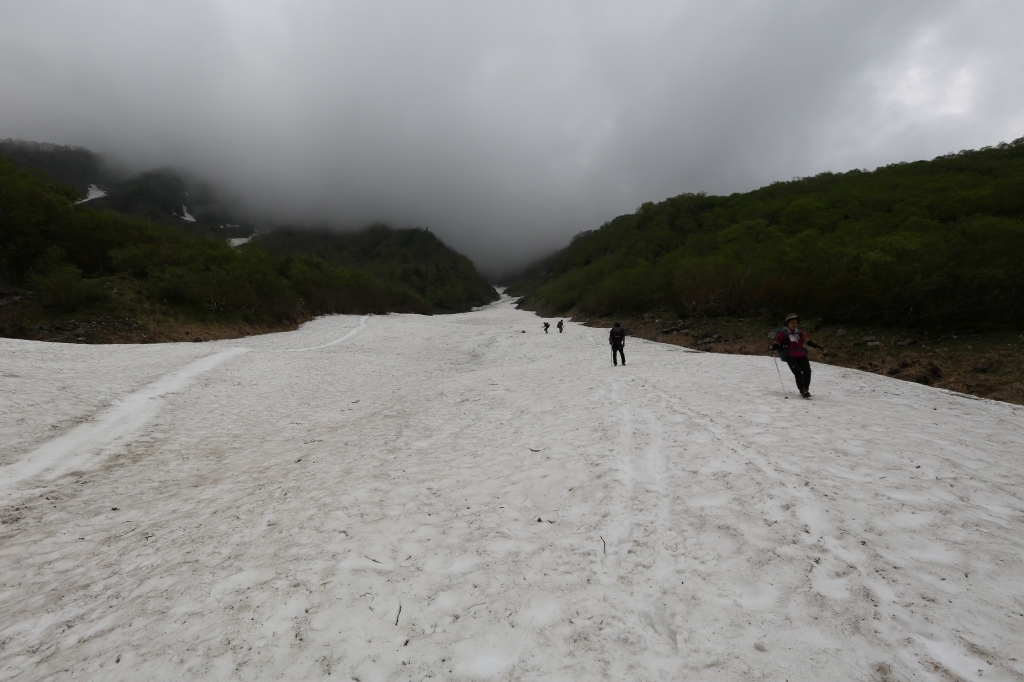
x=793 y=342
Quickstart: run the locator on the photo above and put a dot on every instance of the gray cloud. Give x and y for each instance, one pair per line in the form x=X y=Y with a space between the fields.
x=507 y=127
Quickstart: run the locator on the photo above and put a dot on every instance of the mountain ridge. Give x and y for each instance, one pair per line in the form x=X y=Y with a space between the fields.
x=908 y=243
x=62 y=258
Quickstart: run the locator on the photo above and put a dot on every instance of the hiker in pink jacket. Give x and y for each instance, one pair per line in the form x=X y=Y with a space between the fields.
x=791 y=342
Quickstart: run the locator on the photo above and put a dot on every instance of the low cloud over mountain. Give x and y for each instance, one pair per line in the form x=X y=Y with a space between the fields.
x=507 y=127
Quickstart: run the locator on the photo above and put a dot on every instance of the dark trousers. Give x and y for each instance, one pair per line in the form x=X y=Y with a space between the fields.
x=618 y=349
x=801 y=368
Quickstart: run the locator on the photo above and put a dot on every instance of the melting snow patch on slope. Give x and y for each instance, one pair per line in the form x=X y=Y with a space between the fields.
x=185 y=215
x=93 y=193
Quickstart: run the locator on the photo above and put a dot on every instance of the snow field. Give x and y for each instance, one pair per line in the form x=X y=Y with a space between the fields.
x=406 y=497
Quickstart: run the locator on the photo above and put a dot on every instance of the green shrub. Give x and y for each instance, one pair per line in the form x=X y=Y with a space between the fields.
x=327 y=289
x=61 y=285
x=245 y=282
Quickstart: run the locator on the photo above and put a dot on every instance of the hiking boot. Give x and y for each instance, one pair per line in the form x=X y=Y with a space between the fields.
x=806 y=394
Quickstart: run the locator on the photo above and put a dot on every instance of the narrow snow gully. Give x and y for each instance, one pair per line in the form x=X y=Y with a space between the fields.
x=466 y=497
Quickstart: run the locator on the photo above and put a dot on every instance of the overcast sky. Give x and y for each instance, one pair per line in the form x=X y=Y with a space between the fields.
x=507 y=127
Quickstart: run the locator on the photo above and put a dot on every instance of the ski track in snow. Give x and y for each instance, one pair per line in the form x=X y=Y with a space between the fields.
x=425 y=498
x=89 y=439
x=345 y=337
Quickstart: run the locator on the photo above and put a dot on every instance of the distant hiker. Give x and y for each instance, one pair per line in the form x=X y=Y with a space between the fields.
x=617 y=339
x=789 y=342
x=546 y=327
x=560 y=326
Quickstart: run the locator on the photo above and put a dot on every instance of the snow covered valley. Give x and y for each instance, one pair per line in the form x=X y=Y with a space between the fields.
x=408 y=497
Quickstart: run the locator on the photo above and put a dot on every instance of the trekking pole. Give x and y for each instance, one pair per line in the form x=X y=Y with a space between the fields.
x=779 y=371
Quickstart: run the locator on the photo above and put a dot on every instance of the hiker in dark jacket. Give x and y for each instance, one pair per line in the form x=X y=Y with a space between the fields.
x=790 y=343
x=560 y=326
x=617 y=339
x=547 y=325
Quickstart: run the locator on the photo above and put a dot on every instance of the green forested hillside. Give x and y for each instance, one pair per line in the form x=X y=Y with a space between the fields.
x=411 y=258
x=159 y=195
x=163 y=195
x=917 y=243
x=73 y=166
x=58 y=257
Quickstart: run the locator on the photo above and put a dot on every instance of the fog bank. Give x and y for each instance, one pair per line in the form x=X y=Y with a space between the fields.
x=507 y=127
